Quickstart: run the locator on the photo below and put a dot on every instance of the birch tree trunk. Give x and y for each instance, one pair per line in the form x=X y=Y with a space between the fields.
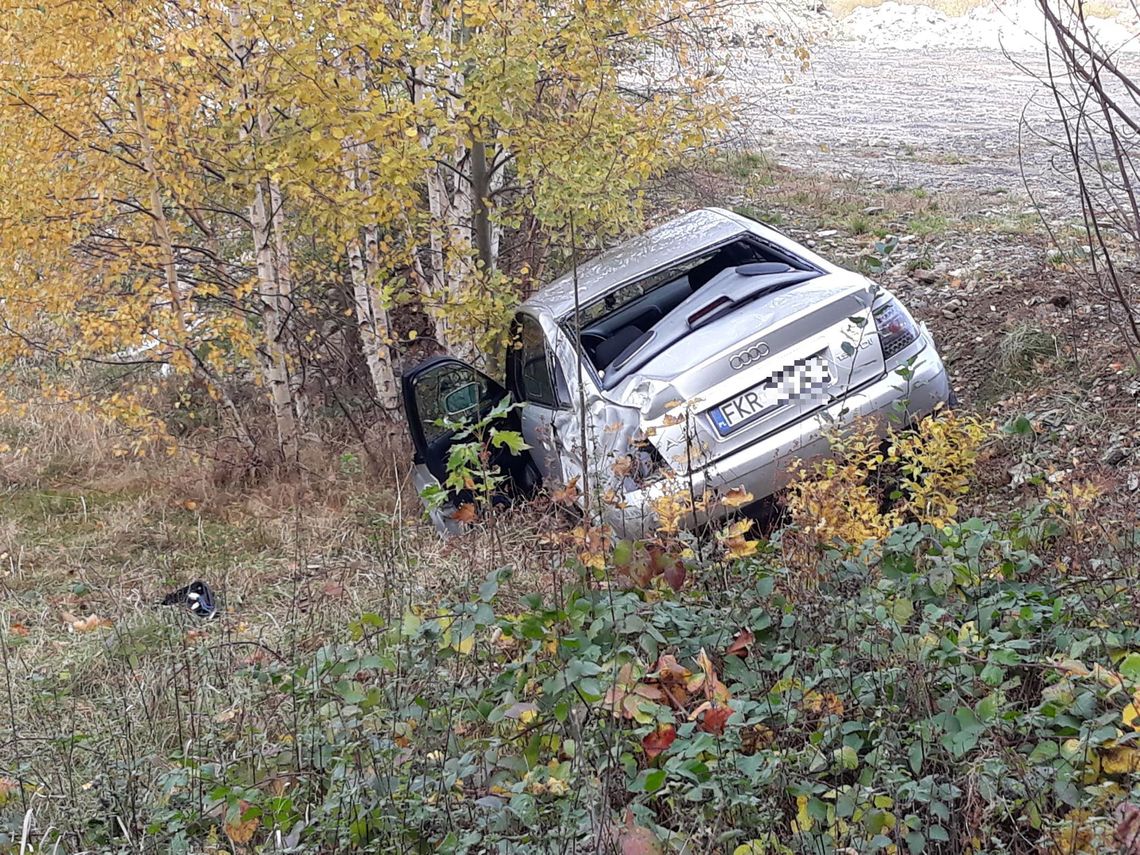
x=273 y=289
x=274 y=312
x=373 y=326
x=451 y=202
x=283 y=276
x=363 y=257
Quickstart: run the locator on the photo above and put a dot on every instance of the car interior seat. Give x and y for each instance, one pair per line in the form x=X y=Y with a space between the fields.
x=613 y=347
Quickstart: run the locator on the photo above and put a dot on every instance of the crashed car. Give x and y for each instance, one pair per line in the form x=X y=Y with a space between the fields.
x=710 y=352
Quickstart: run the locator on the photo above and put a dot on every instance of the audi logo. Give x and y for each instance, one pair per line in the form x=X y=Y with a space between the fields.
x=749 y=355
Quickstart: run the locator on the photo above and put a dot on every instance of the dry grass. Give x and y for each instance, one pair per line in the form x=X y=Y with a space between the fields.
x=295 y=563
x=950 y=8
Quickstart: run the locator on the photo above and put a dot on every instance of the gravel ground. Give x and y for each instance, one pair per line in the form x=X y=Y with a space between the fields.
x=899 y=98
x=943 y=121
x=904 y=95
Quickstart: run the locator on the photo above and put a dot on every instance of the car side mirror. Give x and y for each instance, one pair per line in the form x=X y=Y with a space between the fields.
x=462 y=401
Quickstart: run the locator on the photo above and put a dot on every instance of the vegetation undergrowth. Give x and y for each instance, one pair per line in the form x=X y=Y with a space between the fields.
x=942 y=686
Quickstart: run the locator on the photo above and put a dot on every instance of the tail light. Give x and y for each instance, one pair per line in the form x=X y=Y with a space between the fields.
x=897 y=329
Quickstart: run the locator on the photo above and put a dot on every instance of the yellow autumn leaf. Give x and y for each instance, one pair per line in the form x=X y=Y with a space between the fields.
x=464 y=646
x=802 y=824
x=1120 y=760
x=739 y=547
x=1131 y=715
x=738 y=528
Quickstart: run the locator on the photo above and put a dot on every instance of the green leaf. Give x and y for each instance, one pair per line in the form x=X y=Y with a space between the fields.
x=651 y=781
x=489 y=588
x=1019 y=426
x=988 y=706
x=1130 y=667
x=914 y=756
x=512 y=440
x=1044 y=751
x=846 y=757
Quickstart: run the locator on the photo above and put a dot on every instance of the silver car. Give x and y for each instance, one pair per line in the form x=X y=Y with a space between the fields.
x=707 y=354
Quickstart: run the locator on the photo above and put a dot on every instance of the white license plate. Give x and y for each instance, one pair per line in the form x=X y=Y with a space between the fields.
x=808 y=377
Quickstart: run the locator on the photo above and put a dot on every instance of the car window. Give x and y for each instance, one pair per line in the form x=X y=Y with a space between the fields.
x=451 y=391
x=629 y=293
x=532 y=375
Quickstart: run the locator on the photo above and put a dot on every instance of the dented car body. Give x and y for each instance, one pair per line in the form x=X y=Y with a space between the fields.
x=709 y=353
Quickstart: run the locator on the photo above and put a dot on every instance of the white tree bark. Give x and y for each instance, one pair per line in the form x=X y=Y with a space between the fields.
x=372 y=320
x=283 y=276
x=273 y=289
x=372 y=323
x=451 y=203
x=274 y=314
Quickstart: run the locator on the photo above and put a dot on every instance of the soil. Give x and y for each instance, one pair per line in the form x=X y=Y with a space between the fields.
x=952 y=121
x=969 y=134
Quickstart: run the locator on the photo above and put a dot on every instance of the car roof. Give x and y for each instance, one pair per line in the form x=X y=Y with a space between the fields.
x=639 y=256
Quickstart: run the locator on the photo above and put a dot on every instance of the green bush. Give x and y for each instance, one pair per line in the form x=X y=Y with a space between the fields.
x=944 y=692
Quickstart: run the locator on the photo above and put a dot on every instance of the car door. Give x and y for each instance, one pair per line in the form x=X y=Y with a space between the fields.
x=447 y=388
x=535 y=378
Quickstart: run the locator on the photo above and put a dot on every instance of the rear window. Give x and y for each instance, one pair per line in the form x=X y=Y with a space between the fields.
x=628 y=293
x=616 y=322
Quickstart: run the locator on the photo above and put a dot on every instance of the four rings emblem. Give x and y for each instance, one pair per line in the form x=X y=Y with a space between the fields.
x=749 y=355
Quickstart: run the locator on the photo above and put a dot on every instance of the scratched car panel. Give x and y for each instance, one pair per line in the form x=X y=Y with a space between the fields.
x=711 y=346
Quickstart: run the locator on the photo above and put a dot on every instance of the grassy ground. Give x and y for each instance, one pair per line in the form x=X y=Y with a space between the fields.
x=103 y=688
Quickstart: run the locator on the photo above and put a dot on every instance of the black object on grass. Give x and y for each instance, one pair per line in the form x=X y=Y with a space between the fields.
x=196 y=596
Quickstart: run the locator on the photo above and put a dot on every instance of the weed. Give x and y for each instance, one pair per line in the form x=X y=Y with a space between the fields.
x=858 y=224
x=928 y=225
x=745 y=165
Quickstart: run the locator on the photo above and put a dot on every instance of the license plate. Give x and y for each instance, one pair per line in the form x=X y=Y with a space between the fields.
x=809 y=377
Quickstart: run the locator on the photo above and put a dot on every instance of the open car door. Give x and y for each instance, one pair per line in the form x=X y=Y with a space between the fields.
x=443 y=388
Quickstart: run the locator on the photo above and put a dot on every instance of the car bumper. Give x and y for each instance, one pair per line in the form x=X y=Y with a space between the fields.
x=764 y=467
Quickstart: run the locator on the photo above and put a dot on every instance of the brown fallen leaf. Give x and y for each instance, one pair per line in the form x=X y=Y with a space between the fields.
x=567 y=495
x=240 y=831
x=636 y=839
x=659 y=740
x=87 y=624
x=465 y=513
x=736 y=497
x=1127 y=832
x=715 y=717
x=741 y=644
